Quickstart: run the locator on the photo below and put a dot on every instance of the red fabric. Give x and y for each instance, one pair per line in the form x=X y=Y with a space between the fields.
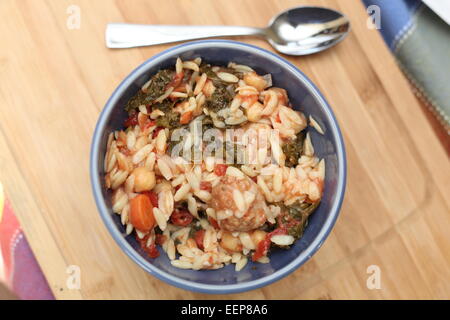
x=9 y=230
x=21 y=272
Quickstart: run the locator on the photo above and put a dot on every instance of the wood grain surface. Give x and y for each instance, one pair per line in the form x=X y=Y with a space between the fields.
x=55 y=80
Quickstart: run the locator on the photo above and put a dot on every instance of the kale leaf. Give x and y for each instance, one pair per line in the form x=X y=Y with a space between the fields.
x=293 y=149
x=156 y=88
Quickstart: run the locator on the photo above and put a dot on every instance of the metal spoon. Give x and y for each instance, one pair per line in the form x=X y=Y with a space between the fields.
x=297 y=31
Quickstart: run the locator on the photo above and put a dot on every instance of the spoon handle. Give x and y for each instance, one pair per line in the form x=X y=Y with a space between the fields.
x=123 y=35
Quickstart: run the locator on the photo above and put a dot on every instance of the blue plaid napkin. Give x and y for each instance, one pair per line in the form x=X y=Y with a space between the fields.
x=420 y=40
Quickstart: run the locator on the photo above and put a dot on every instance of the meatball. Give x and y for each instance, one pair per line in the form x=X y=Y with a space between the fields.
x=239 y=204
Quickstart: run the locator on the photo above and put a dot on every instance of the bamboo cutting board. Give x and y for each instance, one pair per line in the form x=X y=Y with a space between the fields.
x=55 y=80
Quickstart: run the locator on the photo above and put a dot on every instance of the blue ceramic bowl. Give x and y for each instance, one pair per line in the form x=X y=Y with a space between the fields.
x=303 y=95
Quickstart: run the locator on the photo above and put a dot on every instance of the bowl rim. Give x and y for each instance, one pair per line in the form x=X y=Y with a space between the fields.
x=304 y=256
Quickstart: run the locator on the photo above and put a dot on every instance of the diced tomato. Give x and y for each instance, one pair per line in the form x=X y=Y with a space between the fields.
x=214 y=223
x=153 y=197
x=199 y=236
x=156 y=131
x=289 y=222
x=160 y=239
x=279 y=231
x=261 y=249
x=206 y=185
x=282 y=228
x=181 y=218
x=176 y=80
x=220 y=169
x=151 y=250
x=292 y=223
x=124 y=150
x=186 y=117
x=264 y=245
x=149 y=124
x=132 y=119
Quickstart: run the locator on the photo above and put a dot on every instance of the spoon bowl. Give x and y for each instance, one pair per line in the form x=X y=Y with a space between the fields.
x=296 y=31
x=306 y=30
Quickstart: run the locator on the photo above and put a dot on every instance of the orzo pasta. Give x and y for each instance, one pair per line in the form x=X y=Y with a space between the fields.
x=214 y=166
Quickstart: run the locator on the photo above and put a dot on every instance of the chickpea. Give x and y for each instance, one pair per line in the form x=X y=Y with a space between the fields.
x=254 y=112
x=252 y=79
x=257 y=236
x=144 y=179
x=230 y=243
